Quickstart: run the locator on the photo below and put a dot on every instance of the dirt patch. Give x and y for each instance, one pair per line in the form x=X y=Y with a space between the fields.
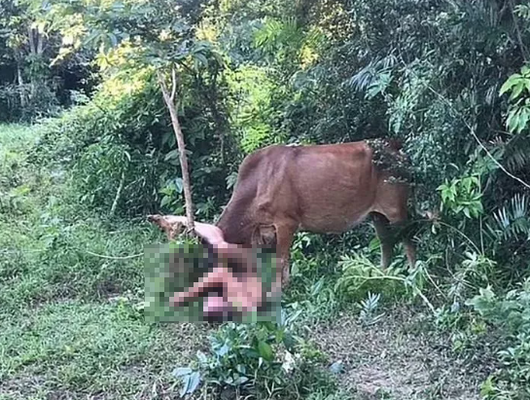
x=397 y=358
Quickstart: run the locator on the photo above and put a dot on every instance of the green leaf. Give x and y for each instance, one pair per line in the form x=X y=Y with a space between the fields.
x=265 y=350
x=505 y=87
x=202 y=357
x=165 y=201
x=202 y=59
x=240 y=380
x=519 y=87
x=524 y=116
x=186 y=385
x=113 y=39
x=195 y=379
x=512 y=120
x=181 y=371
x=179 y=184
x=223 y=350
x=173 y=155
x=487 y=388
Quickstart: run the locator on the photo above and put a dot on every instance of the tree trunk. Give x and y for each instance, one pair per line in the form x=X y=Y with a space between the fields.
x=20 y=82
x=118 y=195
x=33 y=36
x=170 y=103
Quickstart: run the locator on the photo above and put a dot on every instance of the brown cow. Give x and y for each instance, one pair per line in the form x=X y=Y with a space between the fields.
x=320 y=188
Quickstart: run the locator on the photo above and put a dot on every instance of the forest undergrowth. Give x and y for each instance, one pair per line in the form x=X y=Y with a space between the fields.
x=72 y=289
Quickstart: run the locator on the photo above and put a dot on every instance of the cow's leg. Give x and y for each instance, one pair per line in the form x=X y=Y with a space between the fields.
x=410 y=250
x=284 y=239
x=386 y=238
x=396 y=221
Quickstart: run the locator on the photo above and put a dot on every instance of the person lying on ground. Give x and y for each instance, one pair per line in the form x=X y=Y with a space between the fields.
x=234 y=284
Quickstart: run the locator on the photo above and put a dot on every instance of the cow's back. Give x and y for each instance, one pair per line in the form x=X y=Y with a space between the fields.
x=336 y=185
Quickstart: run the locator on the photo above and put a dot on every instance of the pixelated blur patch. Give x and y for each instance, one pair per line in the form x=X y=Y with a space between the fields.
x=175 y=267
x=169 y=268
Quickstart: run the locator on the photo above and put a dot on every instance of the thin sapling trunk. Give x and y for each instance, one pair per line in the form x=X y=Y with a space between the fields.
x=169 y=99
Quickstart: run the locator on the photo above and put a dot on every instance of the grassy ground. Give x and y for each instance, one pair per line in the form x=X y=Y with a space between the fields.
x=70 y=326
x=399 y=358
x=67 y=316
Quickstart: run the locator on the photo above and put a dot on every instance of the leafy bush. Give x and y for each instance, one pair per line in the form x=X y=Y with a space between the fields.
x=51 y=247
x=360 y=277
x=122 y=150
x=263 y=360
x=510 y=314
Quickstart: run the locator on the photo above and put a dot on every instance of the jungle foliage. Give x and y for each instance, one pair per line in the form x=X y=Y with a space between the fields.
x=450 y=79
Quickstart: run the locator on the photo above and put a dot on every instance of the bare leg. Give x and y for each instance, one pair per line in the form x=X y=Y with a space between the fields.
x=245 y=295
x=208 y=282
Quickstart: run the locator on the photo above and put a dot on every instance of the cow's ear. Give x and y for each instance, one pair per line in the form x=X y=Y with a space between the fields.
x=264 y=236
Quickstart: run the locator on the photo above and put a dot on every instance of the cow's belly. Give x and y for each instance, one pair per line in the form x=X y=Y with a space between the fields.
x=331 y=223
x=334 y=208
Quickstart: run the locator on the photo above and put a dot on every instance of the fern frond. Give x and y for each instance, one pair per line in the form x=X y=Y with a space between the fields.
x=513 y=219
x=517 y=154
x=370 y=73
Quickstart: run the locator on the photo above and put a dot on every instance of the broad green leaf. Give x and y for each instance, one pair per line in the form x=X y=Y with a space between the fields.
x=165 y=201
x=186 y=381
x=240 y=380
x=507 y=85
x=518 y=89
x=179 y=184
x=172 y=155
x=195 y=379
x=202 y=59
x=265 y=350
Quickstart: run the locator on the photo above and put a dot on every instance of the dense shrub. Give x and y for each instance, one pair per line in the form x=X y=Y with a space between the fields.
x=122 y=150
x=510 y=314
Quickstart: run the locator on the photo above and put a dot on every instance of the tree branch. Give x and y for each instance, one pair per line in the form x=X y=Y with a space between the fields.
x=161 y=81
x=471 y=130
x=182 y=150
x=518 y=32
x=173 y=84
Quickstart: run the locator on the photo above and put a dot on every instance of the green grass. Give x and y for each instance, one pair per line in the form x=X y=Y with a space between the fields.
x=88 y=347
x=71 y=322
x=70 y=303
x=62 y=331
